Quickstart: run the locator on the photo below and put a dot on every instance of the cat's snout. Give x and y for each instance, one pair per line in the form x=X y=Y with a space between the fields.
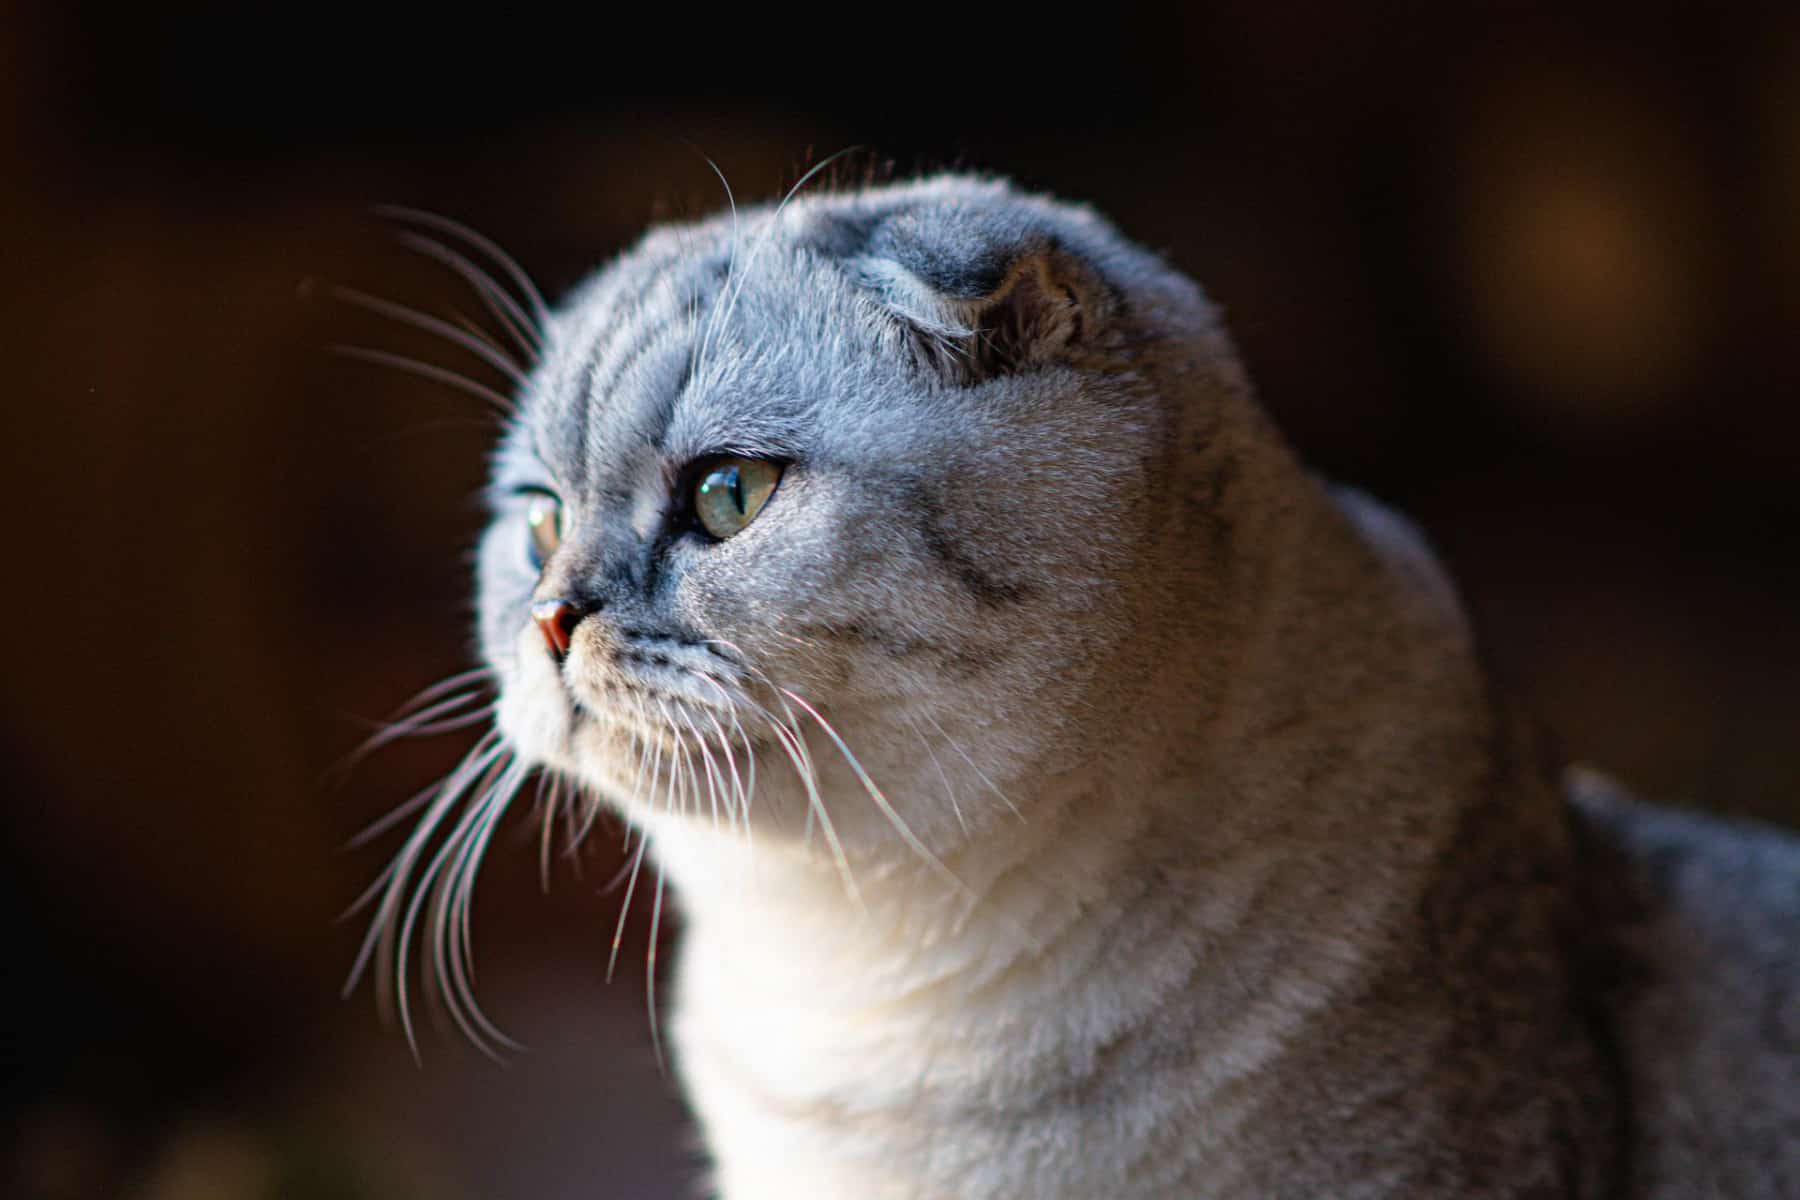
x=556 y=620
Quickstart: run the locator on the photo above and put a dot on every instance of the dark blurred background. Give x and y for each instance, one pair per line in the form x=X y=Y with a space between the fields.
x=1531 y=273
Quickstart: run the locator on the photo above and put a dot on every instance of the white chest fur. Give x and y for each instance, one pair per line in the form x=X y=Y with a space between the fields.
x=1072 y=1028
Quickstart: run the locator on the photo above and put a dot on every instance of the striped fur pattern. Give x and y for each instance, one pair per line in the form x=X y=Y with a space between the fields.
x=1068 y=795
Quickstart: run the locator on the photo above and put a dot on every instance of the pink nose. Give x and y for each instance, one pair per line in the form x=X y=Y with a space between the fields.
x=556 y=620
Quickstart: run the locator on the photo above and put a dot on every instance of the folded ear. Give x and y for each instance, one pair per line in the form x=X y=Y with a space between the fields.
x=984 y=293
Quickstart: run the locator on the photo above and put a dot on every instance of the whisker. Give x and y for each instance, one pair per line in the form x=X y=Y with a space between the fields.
x=422 y=723
x=383 y=933
x=577 y=832
x=715 y=782
x=704 y=342
x=425 y=370
x=794 y=745
x=451 y=724
x=425 y=321
x=381 y=881
x=619 y=876
x=426 y=891
x=680 y=749
x=681 y=767
x=475 y=329
x=735 y=289
x=414 y=719
x=460 y=885
x=387 y=821
x=484 y=760
x=749 y=783
x=499 y=302
x=444 y=797
x=442 y=686
x=643 y=748
x=574 y=830
x=738 y=804
x=547 y=828
x=650 y=972
x=637 y=861
x=487 y=246
x=949 y=792
x=980 y=774
x=881 y=801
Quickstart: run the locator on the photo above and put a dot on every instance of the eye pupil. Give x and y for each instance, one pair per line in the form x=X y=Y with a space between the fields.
x=731 y=492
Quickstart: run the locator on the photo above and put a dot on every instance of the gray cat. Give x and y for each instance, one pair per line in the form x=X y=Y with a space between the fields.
x=1067 y=793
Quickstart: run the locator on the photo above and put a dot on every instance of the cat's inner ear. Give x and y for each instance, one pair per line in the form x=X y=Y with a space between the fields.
x=984 y=309
x=1040 y=311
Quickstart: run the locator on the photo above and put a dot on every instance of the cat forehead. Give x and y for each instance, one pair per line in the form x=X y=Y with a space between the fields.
x=713 y=340
x=780 y=266
x=734 y=332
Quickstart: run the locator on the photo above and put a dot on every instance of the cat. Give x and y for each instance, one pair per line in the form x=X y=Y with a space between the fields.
x=1067 y=793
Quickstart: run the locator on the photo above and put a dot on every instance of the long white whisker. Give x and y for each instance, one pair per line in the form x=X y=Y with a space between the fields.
x=428 y=897
x=463 y=895
x=574 y=829
x=949 y=792
x=425 y=321
x=704 y=342
x=505 y=261
x=441 y=687
x=742 y=788
x=578 y=832
x=690 y=779
x=449 y=724
x=650 y=971
x=738 y=800
x=795 y=748
x=548 y=796
x=881 y=801
x=656 y=765
x=387 y=821
x=973 y=766
x=769 y=232
x=637 y=861
x=381 y=925
x=418 y=724
x=396 y=962
x=415 y=719
x=499 y=302
x=687 y=759
x=400 y=362
x=715 y=781
x=793 y=744
x=643 y=747
x=793 y=722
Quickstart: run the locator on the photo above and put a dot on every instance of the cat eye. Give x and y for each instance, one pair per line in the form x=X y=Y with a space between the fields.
x=730 y=492
x=543 y=521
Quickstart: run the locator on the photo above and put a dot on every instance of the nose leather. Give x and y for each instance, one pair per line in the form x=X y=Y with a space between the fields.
x=556 y=620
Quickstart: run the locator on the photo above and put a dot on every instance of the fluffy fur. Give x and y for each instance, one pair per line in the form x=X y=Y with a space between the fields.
x=1130 y=817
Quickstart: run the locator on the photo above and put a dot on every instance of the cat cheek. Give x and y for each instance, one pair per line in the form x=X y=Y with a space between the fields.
x=714 y=601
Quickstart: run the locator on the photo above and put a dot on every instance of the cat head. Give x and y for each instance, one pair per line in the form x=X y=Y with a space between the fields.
x=834 y=519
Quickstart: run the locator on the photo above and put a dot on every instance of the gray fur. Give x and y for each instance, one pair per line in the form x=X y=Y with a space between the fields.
x=1204 y=861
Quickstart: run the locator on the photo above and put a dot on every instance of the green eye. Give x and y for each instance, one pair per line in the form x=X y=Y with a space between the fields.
x=731 y=492
x=543 y=518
